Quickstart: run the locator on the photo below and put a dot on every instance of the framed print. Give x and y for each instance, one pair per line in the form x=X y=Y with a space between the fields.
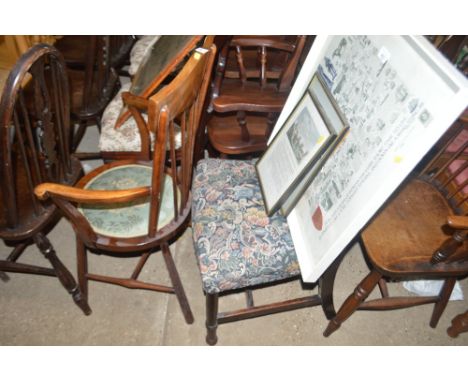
x=298 y=145
x=399 y=96
x=336 y=123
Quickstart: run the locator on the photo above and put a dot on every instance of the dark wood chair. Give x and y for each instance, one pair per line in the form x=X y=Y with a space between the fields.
x=34 y=131
x=133 y=208
x=418 y=235
x=92 y=63
x=253 y=77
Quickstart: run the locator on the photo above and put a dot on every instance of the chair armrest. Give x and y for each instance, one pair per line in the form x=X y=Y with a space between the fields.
x=458 y=222
x=79 y=195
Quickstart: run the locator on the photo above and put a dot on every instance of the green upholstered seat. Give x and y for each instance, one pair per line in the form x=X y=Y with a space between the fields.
x=128 y=219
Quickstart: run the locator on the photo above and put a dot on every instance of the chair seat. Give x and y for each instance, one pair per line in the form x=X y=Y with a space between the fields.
x=410 y=247
x=237 y=245
x=225 y=134
x=127 y=137
x=249 y=97
x=129 y=219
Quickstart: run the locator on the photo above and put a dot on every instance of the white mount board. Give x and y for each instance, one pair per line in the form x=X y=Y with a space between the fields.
x=399 y=95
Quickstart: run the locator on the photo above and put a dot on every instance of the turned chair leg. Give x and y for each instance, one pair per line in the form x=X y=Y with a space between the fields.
x=242 y=121
x=211 y=318
x=444 y=297
x=177 y=284
x=63 y=273
x=352 y=303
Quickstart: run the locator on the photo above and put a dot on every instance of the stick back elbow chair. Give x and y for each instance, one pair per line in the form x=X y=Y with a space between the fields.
x=419 y=234
x=137 y=207
x=249 y=93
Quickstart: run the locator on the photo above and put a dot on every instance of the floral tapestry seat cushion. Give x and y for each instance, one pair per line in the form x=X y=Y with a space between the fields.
x=126 y=138
x=237 y=245
x=129 y=219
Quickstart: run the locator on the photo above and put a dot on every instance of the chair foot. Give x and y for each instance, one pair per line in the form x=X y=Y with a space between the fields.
x=81 y=301
x=332 y=327
x=4 y=277
x=63 y=274
x=211 y=337
x=211 y=318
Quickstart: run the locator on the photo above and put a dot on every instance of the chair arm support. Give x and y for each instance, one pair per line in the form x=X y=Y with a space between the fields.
x=458 y=222
x=79 y=195
x=135 y=100
x=130 y=99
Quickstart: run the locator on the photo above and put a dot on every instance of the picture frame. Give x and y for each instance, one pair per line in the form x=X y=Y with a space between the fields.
x=284 y=170
x=395 y=117
x=336 y=123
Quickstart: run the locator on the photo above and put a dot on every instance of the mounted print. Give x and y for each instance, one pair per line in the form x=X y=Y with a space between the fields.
x=399 y=95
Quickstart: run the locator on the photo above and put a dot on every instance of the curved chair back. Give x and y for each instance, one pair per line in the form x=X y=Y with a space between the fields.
x=34 y=148
x=35 y=132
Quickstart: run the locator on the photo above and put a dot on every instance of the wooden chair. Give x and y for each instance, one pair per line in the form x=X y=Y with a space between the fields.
x=239 y=248
x=132 y=208
x=248 y=97
x=124 y=133
x=93 y=80
x=34 y=131
x=418 y=235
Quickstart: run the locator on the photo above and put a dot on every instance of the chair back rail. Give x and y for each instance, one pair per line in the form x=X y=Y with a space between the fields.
x=448 y=170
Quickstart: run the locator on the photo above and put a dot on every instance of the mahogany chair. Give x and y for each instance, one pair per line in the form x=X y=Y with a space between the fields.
x=419 y=234
x=34 y=132
x=249 y=94
x=133 y=208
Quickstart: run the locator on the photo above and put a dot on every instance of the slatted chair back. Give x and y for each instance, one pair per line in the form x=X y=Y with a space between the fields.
x=253 y=78
x=180 y=102
x=100 y=77
x=92 y=87
x=34 y=130
x=34 y=148
x=448 y=170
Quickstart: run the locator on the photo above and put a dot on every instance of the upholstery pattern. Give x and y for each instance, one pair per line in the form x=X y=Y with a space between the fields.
x=128 y=219
x=127 y=136
x=236 y=243
x=138 y=52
